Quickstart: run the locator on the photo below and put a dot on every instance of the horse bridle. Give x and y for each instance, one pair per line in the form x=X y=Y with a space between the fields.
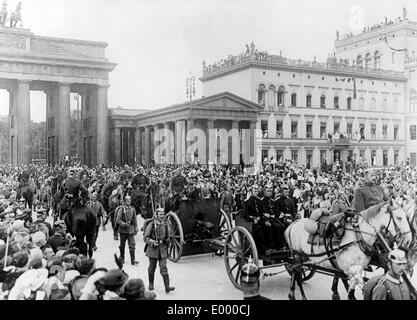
x=399 y=234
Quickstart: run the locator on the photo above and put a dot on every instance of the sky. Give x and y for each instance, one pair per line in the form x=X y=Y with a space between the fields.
x=157 y=43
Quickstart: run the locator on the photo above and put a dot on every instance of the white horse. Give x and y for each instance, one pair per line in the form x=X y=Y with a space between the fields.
x=388 y=217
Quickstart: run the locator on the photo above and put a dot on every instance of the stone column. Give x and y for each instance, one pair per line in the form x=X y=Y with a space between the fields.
x=117 y=145
x=64 y=120
x=236 y=142
x=211 y=141
x=188 y=135
x=102 y=126
x=272 y=126
x=157 y=136
x=138 y=145
x=147 y=145
x=167 y=134
x=256 y=158
x=179 y=141
x=22 y=120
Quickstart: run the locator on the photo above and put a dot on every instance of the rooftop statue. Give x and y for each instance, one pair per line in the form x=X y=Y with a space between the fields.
x=3 y=14
x=16 y=16
x=404 y=12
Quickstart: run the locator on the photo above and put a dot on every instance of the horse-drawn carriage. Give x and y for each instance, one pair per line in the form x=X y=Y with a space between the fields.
x=355 y=250
x=199 y=226
x=240 y=246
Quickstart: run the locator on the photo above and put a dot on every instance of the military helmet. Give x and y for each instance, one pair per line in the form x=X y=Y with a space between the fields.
x=250 y=272
x=397 y=256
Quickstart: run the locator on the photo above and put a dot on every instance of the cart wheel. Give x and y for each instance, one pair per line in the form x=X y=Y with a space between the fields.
x=238 y=247
x=176 y=238
x=307 y=272
x=224 y=226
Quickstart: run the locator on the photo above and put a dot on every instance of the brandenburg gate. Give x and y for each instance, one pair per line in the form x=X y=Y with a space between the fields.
x=57 y=67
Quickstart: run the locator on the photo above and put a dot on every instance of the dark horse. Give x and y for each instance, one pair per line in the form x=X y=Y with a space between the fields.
x=26 y=191
x=80 y=221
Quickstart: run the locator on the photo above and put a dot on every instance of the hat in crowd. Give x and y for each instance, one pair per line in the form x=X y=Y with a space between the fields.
x=114 y=278
x=20 y=259
x=134 y=289
x=35 y=253
x=250 y=273
x=60 y=253
x=60 y=224
x=70 y=275
x=38 y=237
x=31 y=280
x=397 y=256
x=18 y=225
x=60 y=294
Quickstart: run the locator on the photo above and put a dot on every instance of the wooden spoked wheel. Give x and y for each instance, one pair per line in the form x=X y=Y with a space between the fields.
x=224 y=225
x=306 y=271
x=176 y=238
x=238 y=248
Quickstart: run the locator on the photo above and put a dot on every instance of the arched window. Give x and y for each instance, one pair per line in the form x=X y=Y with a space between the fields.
x=384 y=104
x=361 y=103
x=373 y=104
x=261 y=95
x=359 y=61
x=281 y=97
x=368 y=60
x=293 y=100
x=308 y=100
x=323 y=101
x=377 y=60
x=271 y=98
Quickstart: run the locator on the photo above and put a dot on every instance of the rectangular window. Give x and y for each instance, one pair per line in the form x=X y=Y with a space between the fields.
x=336 y=102
x=323 y=156
x=349 y=129
x=280 y=155
x=385 y=132
x=362 y=155
x=309 y=130
x=413 y=159
x=336 y=127
x=323 y=102
x=385 y=158
x=264 y=128
x=373 y=158
x=396 y=132
x=349 y=103
x=294 y=155
x=413 y=132
x=264 y=155
x=362 y=130
x=308 y=100
x=294 y=100
x=279 y=129
x=323 y=127
x=309 y=158
x=294 y=129
x=396 y=157
x=373 y=131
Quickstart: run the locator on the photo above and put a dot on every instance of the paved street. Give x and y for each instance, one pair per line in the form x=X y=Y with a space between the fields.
x=204 y=276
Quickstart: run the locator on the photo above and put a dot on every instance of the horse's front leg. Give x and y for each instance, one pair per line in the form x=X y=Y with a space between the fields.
x=300 y=284
x=335 y=285
x=351 y=292
x=291 y=295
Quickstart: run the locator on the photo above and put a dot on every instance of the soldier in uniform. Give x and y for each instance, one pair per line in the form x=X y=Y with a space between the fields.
x=140 y=181
x=391 y=286
x=128 y=228
x=71 y=183
x=369 y=193
x=274 y=229
x=286 y=207
x=253 y=212
x=100 y=213
x=156 y=237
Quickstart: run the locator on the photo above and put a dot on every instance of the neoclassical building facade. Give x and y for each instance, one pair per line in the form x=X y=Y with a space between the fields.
x=361 y=103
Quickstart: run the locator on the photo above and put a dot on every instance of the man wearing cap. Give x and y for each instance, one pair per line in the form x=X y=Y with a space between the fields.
x=392 y=286
x=74 y=187
x=249 y=280
x=41 y=215
x=253 y=212
x=286 y=207
x=98 y=210
x=156 y=237
x=369 y=194
x=58 y=239
x=273 y=228
x=128 y=228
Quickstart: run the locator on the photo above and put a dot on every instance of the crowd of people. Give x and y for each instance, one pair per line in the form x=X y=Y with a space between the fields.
x=40 y=259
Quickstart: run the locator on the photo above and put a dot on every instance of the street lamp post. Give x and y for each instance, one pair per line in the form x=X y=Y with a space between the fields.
x=190 y=93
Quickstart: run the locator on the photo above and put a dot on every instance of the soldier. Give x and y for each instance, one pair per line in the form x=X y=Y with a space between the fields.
x=226 y=202
x=286 y=207
x=140 y=181
x=274 y=229
x=71 y=183
x=115 y=200
x=156 y=237
x=253 y=212
x=369 y=193
x=391 y=286
x=100 y=213
x=249 y=279
x=128 y=228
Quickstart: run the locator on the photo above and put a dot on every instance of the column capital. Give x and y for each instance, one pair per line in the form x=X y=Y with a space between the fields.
x=23 y=81
x=103 y=86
